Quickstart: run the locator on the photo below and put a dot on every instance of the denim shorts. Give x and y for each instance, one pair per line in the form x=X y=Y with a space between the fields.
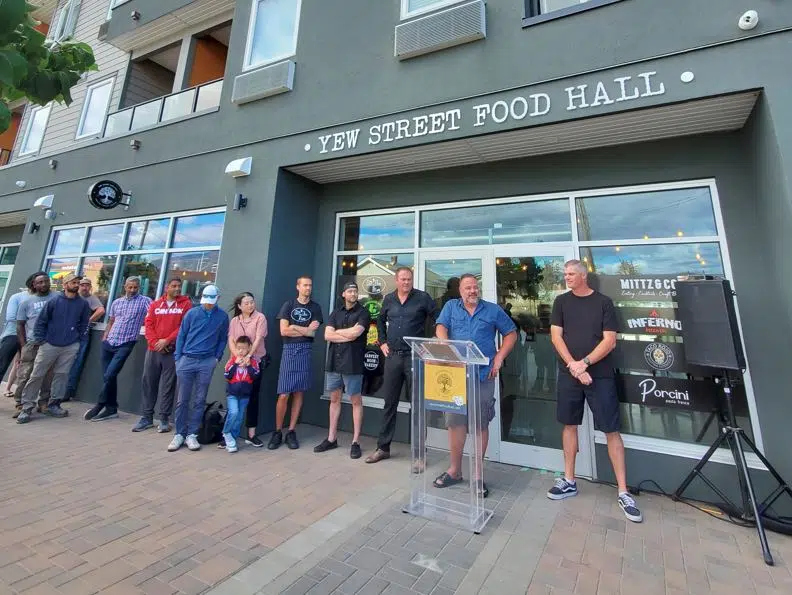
x=351 y=383
x=486 y=408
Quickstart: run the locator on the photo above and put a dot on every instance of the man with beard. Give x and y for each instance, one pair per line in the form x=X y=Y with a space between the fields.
x=59 y=327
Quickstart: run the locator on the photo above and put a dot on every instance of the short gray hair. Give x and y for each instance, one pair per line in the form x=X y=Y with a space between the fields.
x=134 y=278
x=579 y=266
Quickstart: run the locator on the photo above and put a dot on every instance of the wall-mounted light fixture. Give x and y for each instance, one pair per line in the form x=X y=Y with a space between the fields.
x=135 y=144
x=33 y=227
x=239 y=167
x=240 y=202
x=135 y=15
x=53 y=163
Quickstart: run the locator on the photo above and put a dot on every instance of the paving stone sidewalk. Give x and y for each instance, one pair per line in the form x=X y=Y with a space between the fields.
x=93 y=508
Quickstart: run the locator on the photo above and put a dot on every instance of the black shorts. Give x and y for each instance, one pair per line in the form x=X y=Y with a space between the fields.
x=602 y=400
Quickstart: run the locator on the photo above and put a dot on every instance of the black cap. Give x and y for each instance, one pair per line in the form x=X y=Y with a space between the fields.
x=349 y=285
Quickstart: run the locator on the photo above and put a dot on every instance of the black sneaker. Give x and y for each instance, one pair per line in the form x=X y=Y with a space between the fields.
x=105 y=414
x=254 y=442
x=221 y=444
x=276 y=440
x=354 y=451
x=291 y=440
x=322 y=447
x=627 y=504
x=562 y=489
x=92 y=412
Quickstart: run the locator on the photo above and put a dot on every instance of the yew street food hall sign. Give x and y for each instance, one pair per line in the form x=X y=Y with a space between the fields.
x=578 y=98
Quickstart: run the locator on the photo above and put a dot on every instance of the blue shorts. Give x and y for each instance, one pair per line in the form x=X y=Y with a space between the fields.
x=351 y=383
x=601 y=397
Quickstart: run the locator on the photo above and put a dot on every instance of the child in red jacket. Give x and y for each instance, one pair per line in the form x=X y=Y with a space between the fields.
x=240 y=372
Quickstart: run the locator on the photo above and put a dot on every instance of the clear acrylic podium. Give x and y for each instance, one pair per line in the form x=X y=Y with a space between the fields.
x=445 y=381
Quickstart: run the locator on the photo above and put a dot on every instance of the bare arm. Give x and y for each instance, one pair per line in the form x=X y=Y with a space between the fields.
x=604 y=347
x=557 y=338
x=97 y=314
x=509 y=341
x=353 y=332
x=21 y=333
x=292 y=330
x=441 y=332
x=108 y=327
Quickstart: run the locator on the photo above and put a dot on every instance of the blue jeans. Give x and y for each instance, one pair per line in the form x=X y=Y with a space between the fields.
x=234 y=415
x=194 y=376
x=79 y=362
x=113 y=359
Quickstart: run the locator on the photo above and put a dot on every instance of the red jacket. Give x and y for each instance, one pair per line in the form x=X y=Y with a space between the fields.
x=163 y=322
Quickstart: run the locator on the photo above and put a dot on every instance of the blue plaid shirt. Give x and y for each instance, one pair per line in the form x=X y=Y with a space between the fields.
x=128 y=315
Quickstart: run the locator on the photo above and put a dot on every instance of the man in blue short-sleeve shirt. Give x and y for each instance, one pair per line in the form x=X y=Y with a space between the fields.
x=470 y=318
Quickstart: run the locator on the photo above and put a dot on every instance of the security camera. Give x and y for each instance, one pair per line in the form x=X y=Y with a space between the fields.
x=749 y=20
x=45 y=202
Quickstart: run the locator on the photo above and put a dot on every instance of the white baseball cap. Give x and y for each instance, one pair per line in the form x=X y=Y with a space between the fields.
x=210 y=294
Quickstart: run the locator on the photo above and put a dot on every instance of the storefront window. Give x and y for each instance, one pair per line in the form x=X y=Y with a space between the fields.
x=375 y=275
x=146 y=266
x=199 y=230
x=145 y=251
x=148 y=235
x=647 y=215
x=377 y=232
x=196 y=269
x=527 y=222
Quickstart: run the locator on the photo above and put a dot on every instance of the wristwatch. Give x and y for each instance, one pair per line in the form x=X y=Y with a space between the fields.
x=587 y=361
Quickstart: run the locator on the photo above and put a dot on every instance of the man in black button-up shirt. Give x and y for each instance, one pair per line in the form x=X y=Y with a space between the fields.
x=404 y=314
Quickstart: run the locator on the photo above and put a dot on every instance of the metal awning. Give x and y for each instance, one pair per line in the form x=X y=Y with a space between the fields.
x=702 y=116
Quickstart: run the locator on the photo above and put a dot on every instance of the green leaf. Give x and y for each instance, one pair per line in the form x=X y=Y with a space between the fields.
x=6 y=72
x=12 y=13
x=17 y=61
x=5 y=116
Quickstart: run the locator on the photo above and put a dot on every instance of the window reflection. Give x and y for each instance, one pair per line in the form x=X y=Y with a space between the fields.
x=195 y=269
x=378 y=232
x=145 y=266
x=58 y=268
x=100 y=269
x=658 y=259
x=9 y=255
x=148 y=235
x=105 y=238
x=539 y=221
x=68 y=241
x=646 y=215
x=199 y=230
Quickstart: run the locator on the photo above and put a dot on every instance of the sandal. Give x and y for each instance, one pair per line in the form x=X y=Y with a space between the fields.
x=483 y=490
x=444 y=480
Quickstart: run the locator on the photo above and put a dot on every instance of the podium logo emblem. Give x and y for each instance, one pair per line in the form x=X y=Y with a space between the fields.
x=445 y=382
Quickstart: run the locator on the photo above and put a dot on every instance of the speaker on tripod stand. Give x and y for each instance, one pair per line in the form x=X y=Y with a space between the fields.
x=712 y=340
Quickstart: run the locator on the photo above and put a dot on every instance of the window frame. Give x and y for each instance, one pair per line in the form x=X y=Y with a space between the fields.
x=120 y=253
x=246 y=64
x=406 y=13
x=29 y=126
x=79 y=135
x=534 y=15
x=66 y=18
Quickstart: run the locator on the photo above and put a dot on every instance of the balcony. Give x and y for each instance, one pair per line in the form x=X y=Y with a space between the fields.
x=193 y=101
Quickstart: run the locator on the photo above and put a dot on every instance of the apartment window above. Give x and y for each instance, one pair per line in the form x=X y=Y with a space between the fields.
x=97 y=100
x=412 y=8
x=34 y=132
x=538 y=11
x=273 y=31
x=67 y=20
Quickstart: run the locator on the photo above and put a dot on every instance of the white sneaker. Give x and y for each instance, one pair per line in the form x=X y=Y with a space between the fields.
x=230 y=442
x=176 y=443
x=192 y=442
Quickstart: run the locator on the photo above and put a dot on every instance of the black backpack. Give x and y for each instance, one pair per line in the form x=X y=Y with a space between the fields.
x=212 y=424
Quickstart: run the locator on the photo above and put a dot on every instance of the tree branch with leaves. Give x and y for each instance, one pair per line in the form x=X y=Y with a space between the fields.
x=33 y=67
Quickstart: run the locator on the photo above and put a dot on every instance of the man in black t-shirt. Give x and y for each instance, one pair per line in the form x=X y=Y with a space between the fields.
x=345 y=331
x=299 y=319
x=583 y=330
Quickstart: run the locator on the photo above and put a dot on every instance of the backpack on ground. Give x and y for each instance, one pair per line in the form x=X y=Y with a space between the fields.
x=212 y=423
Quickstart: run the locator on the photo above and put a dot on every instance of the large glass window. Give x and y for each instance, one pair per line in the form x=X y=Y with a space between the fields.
x=646 y=215
x=9 y=255
x=97 y=100
x=273 y=31
x=538 y=221
x=34 y=135
x=377 y=232
x=109 y=253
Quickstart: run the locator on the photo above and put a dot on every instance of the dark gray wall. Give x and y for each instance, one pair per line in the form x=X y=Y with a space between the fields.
x=9 y=235
x=146 y=80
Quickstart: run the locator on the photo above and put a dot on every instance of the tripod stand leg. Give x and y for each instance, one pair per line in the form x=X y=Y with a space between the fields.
x=697 y=469
x=782 y=484
x=741 y=463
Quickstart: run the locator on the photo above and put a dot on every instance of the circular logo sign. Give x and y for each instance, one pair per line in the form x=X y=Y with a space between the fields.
x=659 y=356
x=105 y=195
x=444 y=382
x=301 y=315
x=371 y=360
x=374 y=285
x=374 y=308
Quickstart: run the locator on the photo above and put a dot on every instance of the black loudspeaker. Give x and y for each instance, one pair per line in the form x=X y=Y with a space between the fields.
x=705 y=307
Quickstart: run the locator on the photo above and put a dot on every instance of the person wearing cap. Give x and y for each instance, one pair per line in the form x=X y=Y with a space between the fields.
x=97 y=313
x=345 y=331
x=299 y=320
x=119 y=339
x=59 y=327
x=28 y=312
x=9 y=342
x=199 y=347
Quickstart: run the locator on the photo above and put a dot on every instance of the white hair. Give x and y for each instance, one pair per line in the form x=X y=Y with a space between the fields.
x=577 y=265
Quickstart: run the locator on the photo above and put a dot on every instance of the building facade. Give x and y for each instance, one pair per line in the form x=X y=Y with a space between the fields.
x=649 y=139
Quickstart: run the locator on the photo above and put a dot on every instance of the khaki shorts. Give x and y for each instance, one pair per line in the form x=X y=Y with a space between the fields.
x=486 y=408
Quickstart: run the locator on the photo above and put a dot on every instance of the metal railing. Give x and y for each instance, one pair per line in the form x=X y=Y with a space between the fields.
x=5 y=157
x=164 y=109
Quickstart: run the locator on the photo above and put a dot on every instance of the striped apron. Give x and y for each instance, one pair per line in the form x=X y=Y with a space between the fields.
x=295 y=368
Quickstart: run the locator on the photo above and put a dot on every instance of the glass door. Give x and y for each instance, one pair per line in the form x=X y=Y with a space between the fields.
x=527 y=282
x=5 y=275
x=438 y=274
